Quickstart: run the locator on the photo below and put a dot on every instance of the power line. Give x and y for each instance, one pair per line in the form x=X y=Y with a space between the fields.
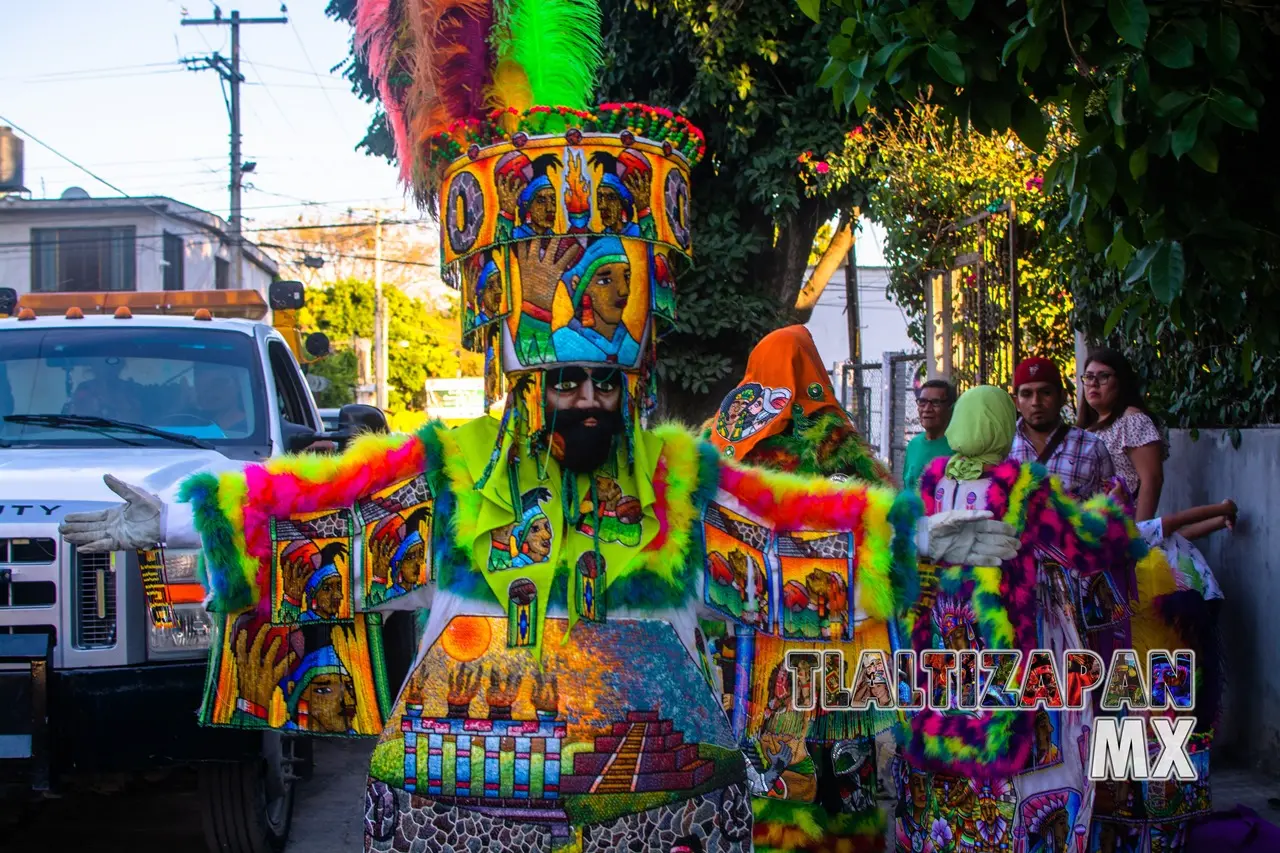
x=46 y=145
x=21 y=244
x=314 y=73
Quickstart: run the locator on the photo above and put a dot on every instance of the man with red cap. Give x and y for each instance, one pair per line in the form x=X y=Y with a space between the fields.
x=1076 y=457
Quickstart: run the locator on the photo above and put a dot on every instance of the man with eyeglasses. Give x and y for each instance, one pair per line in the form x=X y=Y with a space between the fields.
x=933 y=401
x=1078 y=459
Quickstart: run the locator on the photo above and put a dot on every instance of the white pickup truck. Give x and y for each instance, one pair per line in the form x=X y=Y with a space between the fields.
x=88 y=683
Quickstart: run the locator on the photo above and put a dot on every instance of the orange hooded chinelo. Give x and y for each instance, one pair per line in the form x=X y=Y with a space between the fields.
x=784 y=377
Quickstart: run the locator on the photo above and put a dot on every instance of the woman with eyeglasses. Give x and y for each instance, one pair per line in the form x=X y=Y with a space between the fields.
x=1113 y=409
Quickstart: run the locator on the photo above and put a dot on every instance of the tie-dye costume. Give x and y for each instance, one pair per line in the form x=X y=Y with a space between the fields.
x=993 y=780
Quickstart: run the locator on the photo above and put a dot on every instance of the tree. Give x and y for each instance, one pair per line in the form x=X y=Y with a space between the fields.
x=424 y=342
x=746 y=74
x=1170 y=187
x=924 y=176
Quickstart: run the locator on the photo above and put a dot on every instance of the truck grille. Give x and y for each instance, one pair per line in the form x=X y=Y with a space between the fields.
x=95 y=601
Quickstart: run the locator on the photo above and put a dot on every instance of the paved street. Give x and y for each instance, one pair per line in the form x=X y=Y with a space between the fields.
x=327 y=815
x=166 y=814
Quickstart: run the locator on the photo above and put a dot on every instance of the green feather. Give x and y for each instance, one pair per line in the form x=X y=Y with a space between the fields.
x=558 y=44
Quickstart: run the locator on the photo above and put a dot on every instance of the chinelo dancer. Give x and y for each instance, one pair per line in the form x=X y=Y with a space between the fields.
x=815 y=785
x=986 y=780
x=559 y=700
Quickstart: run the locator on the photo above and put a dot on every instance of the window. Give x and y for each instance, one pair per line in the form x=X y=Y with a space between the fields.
x=65 y=260
x=205 y=383
x=221 y=274
x=173 y=256
x=291 y=394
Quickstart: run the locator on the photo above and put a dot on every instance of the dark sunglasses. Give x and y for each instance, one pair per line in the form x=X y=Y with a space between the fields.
x=568 y=379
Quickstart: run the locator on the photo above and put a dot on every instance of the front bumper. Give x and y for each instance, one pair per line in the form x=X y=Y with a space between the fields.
x=123 y=719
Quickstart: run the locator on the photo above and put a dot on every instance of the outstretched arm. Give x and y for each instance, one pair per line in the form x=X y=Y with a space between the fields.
x=142 y=521
x=1199 y=520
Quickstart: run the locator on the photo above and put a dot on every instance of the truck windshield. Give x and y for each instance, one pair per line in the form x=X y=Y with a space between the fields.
x=204 y=383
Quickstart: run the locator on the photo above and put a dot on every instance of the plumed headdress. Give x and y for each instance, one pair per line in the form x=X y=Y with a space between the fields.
x=489 y=105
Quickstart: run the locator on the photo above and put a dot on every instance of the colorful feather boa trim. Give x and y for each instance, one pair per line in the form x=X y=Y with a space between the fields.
x=663 y=575
x=229 y=573
x=787 y=502
x=1090 y=537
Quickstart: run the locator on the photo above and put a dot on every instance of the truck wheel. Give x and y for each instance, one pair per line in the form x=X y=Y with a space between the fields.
x=247 y=806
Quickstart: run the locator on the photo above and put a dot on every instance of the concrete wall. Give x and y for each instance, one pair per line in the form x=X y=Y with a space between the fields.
x=1247 y=564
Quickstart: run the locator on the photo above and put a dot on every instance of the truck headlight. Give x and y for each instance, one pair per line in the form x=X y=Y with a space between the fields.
x=189 y=636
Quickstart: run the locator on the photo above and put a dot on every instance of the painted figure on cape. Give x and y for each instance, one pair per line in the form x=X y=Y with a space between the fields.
x=626 y=185
x=529 y=540
x=399 y=548
x=526 y=195
x=320 y=694
x=312 y=577
x=622 y=735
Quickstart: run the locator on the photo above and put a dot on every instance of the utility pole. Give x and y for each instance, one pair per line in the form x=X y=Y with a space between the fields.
x=854 y=316
x=380 y=324
x=230 y=72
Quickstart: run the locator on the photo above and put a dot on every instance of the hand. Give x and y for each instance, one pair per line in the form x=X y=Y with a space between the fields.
x=384 y=550
x=640 y=184
x=509 y=187
x=258 y=674
x=503 y=688
x=131 y=526
x=294 y=575
x=540 y=269
x=1230 y=514
x=967 y=538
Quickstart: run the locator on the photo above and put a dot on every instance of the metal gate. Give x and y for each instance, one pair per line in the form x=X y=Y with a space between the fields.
x=971 y=306
x=881 y=398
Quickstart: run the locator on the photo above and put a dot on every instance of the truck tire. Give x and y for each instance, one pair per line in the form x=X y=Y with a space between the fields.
x=247 y=806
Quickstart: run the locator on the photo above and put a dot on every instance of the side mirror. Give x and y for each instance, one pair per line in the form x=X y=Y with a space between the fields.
x=356 y=418
x=286 y=295
x=297 y=438
x=317 y=345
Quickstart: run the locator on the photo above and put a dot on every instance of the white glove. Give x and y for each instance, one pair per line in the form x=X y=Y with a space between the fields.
x=137 y=523
x=969 y=538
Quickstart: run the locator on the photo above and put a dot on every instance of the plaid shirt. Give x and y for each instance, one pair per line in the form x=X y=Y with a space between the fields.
x=1081 y=462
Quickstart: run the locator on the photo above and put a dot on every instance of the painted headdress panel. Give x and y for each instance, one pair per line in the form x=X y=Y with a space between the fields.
x=560 y=221
x=564 y=244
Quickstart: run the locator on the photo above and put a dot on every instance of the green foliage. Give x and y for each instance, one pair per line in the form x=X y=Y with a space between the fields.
x=344 y=310
x=1170 y=183
x=925 y=175
x=746 y=74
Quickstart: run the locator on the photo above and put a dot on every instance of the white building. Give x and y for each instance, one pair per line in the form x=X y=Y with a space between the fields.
x=883 y=324
x=77 y=243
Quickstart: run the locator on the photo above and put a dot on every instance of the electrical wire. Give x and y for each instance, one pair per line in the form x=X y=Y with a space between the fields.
x=316 y=74
x=53 y=150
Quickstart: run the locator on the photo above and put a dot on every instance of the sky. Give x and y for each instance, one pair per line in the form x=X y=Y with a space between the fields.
x=101 y=82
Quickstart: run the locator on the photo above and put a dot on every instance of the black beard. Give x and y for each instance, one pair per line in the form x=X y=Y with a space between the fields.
x=585 y=448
